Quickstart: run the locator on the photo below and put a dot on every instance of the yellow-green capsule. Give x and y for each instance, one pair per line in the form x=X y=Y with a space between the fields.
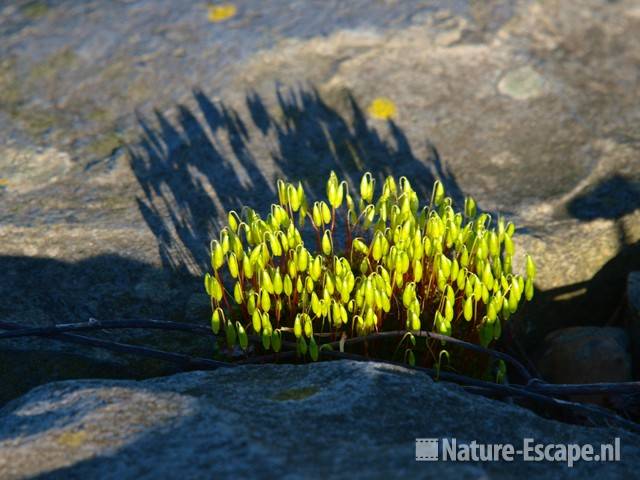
x=243 y=340
x=316 y=268
x=282 y=191
x=528 y=289
x=308 y=284
x=233 y=265
x=364 y=266
x=477 y=288
x=343 y=314
x=506 y=264
x=277 y=282
x=445 y=265
x=368 y=292
x=531 y=268
x=256 y=321
x=315 y=304
x=461 y=279
x=265 y=301
x=497 y=267
x=498 y=299
x=506 y=309
x=217 y=255
x=417 y=271
x=376 y=249
x=448 y=311
x=469 y=207
x=292 y=266
x=427 y=246
x=411 y=358
x=332 y=187
x=408 y=294
x=360 y=247
x=398 y=279
x=491 y=312
x=297 y=327
x=308 y=327
x=487 y=276
x=497 y=330
x=247 y=267
x=276 y=248
x=316 y=215
x=366 y=187
x=266 y=282
x=294 y=199
x=276 y=340
x=468 y=286
x=414 y=321
x=325 y=213
x=448 y=292
x=303 y=259
x=494 y=244
x=216 y=318
x=402 y=262
x=455 y=268
x=326 y=243
x=438 y=193
x=230 y=332
x=287 y=285
x=468 y=309
x=224 y=241
x=216 y=289
x=513 y=302
x=313 y=349
x=284 y=241
x=464 y=257
x=485 y=294
x=515 y=288
x=329 y=284
x=233 y=221
x=238 y=294
x=501 y=228
x=208 y=285
x=302 y=346
x=508 y=245
x=266 y=339
x=369 y=318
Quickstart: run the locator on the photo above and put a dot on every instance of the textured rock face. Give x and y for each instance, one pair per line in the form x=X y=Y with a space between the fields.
x=124 y=138
x=586 y=355
x=336 y=419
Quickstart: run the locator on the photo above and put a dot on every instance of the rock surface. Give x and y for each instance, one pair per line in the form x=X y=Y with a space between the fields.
x=586 y=355
x=127 y=128
x=330 y=420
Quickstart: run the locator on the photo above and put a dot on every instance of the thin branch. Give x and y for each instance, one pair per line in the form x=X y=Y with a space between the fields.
x=183 y=360
x=534 y=388
x=423 y=333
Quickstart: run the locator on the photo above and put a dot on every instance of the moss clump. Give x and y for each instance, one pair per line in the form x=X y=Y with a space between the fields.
x=379 y=264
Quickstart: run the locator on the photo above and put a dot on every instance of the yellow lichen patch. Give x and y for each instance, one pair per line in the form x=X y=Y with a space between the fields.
x=382 y=108
x=4 y=182
x=219 y=13
x=72 y=439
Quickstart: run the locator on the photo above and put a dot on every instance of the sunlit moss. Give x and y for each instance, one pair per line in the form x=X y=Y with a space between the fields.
x=382 y=261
